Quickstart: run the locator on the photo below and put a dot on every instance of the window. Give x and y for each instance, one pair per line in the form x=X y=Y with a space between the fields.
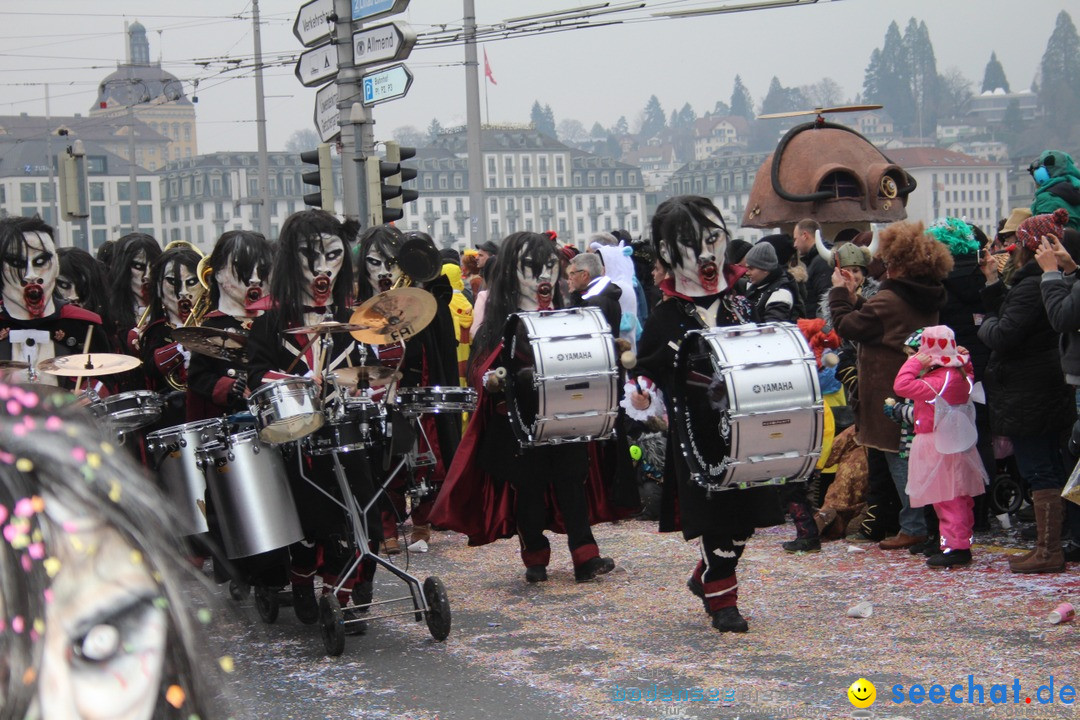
x=459 y=182
x=618 y=178
x=592 y=179
x=607 y=202
x=607 y=224
x=508 y=165
x=594 y=225
x=48 y=192
x=187 y=132
x=495 y=228
x=525 y=165
x=494 y=205
x=528 y=224
x=562 y=225
x=543 y=203
x=633 y=223
x=577 y=203
x=199 y=210
x=542 y=163
x=97 y=214
x=509 y=204
x=492 y=182
x=444 y=206
x=99 y=237
x=187 y=212
x=562 y=204
x=428 y=185
x=215 y=186
x=446 y=229
x=97 y=192
x=459 y=205
x=429 y=205
x=174 y=213
x=509 y=182
x=526 y=181
x=592 y=202
x=527 y=205
x=605 y=179
x=558 y=163
x=28 y=192
x=543 y=181
x=580 y=225
x=253 y=187
x=444 y=182
x=633 y=202
x=491 y=165
x=200 y=234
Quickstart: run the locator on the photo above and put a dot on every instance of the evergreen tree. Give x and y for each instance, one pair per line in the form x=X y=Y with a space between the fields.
x=742 y=103
x=1012 y=124
x=433 y=130
x=721 y=108
x=597 y=132
x=653 y=121
x=542 y=119
x=894 y=80
x=871 y=86
x=621 y=127
x=782 y=99
x=1059 y=94
x=994 y=76
x=923 y=79
x=549 y=120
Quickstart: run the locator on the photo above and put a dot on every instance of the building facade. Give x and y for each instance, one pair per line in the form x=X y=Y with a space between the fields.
x=951 y=184
x=725 y=178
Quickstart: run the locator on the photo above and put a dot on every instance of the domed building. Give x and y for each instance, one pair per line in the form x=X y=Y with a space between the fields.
x=156 y=97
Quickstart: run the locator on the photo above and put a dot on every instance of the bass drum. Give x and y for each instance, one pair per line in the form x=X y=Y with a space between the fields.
x=250 y=491
x=747 y=405
x=562 y=381
x=173 y=455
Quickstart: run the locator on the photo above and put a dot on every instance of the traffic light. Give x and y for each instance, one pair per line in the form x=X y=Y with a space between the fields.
x=323 y=178
x=72 y=162
x=398 y=195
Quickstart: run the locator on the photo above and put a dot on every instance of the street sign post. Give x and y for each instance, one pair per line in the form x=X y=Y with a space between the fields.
x=311 y=24
x=317 y=65
x=327 y=113
x=383 y=43
x=385 y=85
x=371 y=9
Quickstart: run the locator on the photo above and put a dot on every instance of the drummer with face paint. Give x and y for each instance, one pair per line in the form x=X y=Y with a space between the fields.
x=312 y=282
x=491 y=470
x=690 y=237
x=34 y=324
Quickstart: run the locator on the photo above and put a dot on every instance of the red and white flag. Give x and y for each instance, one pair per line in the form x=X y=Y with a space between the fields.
x=487 y=69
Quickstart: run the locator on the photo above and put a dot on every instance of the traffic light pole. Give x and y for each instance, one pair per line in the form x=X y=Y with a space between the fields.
x=349 y=92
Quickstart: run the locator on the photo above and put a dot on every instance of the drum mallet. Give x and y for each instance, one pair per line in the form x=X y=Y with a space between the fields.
x=494 y=379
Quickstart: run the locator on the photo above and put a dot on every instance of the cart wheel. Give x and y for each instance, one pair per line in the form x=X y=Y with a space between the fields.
x=238 y=590
x=332 y=624
x=267 y=604
x=438 y=614
x=1006 y=494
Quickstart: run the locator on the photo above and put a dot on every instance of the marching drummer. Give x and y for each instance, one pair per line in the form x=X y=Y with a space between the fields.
x=690 y=237
x=312 y=283
x=491 y=471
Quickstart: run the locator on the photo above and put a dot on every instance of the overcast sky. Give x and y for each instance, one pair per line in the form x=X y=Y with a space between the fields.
x=592 y=75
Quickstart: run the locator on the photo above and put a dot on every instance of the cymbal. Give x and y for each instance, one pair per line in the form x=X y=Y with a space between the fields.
x=212 y=342
x=394 y=315
x=376 y=375
x=327 y=326
x=13 y=365
x=89 y=365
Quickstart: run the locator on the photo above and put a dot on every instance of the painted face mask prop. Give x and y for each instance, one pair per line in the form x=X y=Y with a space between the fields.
x=178 y=292
x=29 y=281
x=536 y=288
x=66 y=289
x=321 y=261
x=700 y=274
x=237 y=293
x=382 y=272
x=140 y=278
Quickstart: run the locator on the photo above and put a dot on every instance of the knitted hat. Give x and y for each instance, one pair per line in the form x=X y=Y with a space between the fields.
x=850 y=254
x=956 y=235
x=736 y=251
x=1035 y=227
x=939 y=342
x=762 y=256
x=783 y=244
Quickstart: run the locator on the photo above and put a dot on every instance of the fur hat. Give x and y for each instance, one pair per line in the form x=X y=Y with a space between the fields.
x=762 y=256
x=956 y=235
x=1016 y=216
x=850 y=254
x=939 y=342
x=1035 y=227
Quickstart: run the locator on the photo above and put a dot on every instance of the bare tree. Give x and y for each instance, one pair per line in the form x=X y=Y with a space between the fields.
x=410 y=135
x=824 y=93
x=572 y=131
x=302 y=141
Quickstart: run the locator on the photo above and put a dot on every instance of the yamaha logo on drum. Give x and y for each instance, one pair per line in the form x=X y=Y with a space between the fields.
x=574 y=356
x=774 y=387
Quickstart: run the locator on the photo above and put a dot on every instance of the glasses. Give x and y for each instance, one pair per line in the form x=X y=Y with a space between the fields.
x=574 y=272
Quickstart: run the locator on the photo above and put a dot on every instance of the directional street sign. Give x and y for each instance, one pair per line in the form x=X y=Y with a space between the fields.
x=371 y=9
x=311 y=25
x=326 y=112
x=383 y=43
x=317 y=65
x=387 y=84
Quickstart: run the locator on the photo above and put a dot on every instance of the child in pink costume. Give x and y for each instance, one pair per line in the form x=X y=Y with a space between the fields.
x=941 y=372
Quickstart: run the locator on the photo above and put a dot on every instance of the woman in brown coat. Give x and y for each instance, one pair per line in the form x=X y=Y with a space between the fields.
x=910 y=297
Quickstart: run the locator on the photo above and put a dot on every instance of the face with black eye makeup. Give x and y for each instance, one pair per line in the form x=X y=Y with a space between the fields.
x=536 y=285
x=30 y=277
x=66 y=289
x=106 y=630
x=699 y=272
x=382 y=272
x=320 y=263
x=140 y=277
x=177 y=291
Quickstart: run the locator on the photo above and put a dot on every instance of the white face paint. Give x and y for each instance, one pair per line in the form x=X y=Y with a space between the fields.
x=140 y=278
x=178 y=292
x=29 y=284
x=700 y=274
x=382 y=272
x=535 y=292
x=66 y=289
x=104 y=644
x=236 y=293
x=320 y=265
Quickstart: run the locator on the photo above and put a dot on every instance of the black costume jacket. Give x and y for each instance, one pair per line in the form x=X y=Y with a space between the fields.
x=210 y=383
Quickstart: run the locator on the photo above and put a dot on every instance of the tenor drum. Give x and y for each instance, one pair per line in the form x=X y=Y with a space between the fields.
x=251 y=495
x=173 y=455
x=562 y=381
x=353 y=429
x=286 y=410
x=132 y=410
x=436 y=399
x=747 y=405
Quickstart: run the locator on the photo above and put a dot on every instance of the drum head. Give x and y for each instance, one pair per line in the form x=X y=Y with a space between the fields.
x=291 y=428
x=521 y=398
x=701 y=404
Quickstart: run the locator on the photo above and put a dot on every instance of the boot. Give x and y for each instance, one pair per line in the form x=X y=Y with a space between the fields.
x=1049 y=517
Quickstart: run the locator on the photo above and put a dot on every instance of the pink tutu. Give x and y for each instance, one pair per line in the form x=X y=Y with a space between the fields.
x=933 y=477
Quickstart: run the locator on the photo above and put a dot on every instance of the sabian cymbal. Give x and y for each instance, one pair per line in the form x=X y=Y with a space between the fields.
x=13 y=365
x=212 y=342
x=89 y=365
x=376 y=375
x=327 y=326
x=394 y=315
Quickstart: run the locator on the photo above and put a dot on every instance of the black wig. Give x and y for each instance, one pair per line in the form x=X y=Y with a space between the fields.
x=246 y=251
x=679 y=221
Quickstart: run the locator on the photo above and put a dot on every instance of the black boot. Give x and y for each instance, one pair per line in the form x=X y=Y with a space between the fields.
x=729 y=620
x=949 y=558
x=802 y=545
x=536 y=573
x=593 y=567
x=305 y=605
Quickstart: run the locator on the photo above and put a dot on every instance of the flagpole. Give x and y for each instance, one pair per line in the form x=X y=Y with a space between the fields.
x=487 y=108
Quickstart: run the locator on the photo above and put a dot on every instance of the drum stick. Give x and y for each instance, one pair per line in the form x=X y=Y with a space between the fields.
x=86 y=351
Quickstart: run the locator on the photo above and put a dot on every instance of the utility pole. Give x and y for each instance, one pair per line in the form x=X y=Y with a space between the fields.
x=133 y=187
x=477 y=208
x=49 y=159
x=260 y=124
x=357 y=138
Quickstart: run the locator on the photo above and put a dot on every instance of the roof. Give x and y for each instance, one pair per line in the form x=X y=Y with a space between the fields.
x=134 y=84
x=102 y=128
x=932 y=157
x=493 y=138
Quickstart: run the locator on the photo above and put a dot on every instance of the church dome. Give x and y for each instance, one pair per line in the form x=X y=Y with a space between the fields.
x=139 y=81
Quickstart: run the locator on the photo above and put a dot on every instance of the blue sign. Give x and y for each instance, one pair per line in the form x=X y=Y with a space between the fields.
x=384 y=85
x=369 y=9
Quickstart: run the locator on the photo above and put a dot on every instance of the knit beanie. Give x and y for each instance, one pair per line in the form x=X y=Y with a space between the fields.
x=1035 y=227
x=762 y=256
x=736 y=251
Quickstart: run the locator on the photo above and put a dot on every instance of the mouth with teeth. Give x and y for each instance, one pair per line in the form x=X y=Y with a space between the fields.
x=709 y=275
x=320 y=289
x=34 y=297
x=385 y=283
x=254 y=294
x=544 y=292
x=183 y=308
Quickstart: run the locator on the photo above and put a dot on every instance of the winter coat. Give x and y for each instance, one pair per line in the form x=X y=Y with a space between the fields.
x=1061 y=299
x=818 y=278
x=1062 y=190
x=880 y=326
x=924 y=390
x=774 y=298
x=604 y=294
x=964 y=308
x=1023 y=378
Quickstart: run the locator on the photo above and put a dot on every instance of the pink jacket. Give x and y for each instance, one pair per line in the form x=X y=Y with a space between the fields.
x=924 y=389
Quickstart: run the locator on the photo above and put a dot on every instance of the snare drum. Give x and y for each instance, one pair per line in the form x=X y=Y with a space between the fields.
x=173 y=454
x=90 y=401
x=132 y=410
x=352 y=430
x=286 y=410
x=436 y=399
x=562 y=382
x=250 y=491
x=747 y=405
